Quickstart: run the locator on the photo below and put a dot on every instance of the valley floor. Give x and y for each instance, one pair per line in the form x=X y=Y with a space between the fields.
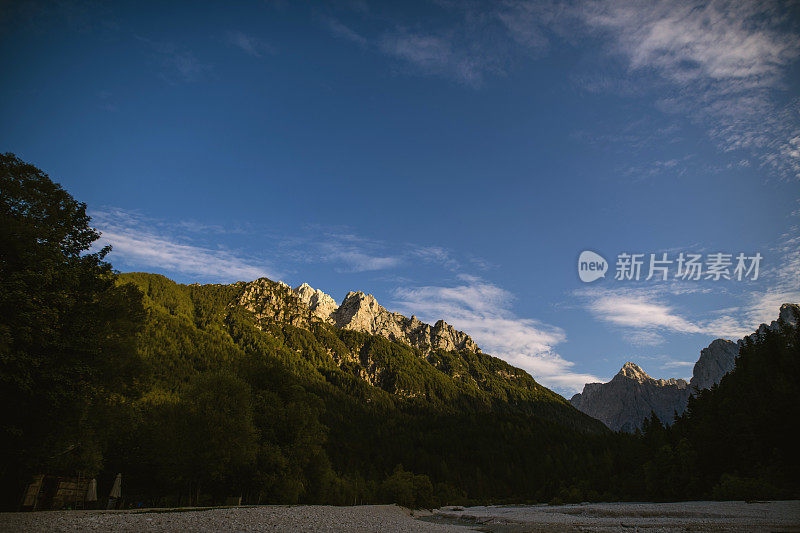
x=651 y=517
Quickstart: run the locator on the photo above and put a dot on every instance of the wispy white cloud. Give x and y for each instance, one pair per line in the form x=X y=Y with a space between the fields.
x=341 y=31
x=483 y=310
x=353 y=253
x=645 y=315
x=350 y=253
x=426 y=51
x=679 y=364
x=782 y=281
x=721 y=64
x=177 y=63
x=687 y=41
x=139 y=242
x=725 y=63
x=356 y=261
x=249 y=44
x=438 y=255
x=530 y=22
x=476 y=44
x=432 y=54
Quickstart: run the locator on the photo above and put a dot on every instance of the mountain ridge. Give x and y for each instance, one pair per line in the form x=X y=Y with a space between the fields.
x=625 y=401
x=360 y=344
x=360 y=311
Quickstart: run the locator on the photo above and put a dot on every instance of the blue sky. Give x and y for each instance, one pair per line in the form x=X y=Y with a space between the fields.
x=451 y=158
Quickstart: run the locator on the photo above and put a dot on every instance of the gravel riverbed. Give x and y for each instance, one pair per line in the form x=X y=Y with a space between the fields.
x=612 y=517
x=301 y=518
x=781 y=516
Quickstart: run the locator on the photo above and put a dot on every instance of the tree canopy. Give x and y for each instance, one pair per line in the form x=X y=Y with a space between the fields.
x=67 y=329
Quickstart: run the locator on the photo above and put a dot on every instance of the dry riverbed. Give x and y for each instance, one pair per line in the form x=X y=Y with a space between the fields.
x=687 y=516
x=650 y=517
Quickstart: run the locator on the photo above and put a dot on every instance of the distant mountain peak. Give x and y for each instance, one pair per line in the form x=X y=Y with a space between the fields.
x=789 y=314
x=633 y=371
x=632 y=395
x=715 y=361
x=320 y=303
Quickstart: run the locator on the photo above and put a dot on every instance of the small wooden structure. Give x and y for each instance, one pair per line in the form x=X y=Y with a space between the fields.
x=59 y=492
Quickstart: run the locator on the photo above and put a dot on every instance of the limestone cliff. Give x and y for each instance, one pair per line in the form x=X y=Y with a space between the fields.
x=321 y=304
x=304 y=305
x=271 y=300
x=630 y=397
x=362 y=312
x=715 y=361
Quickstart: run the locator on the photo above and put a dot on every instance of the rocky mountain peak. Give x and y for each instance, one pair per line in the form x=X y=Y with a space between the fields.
x=627 y=399
x=274 y=300
x=321 y=304
x=630 y=396
x=362 y=312
x=633 y=371
x=304 y=305
x=789 y=314
x=715 y=361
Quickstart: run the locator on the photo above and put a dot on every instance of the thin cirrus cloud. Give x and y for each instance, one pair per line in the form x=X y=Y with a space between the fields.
x=249 y=44
x=690 y=41
x=726 y=64
x=354 y=253
x=483 y=310
x=645 y=315
x=177 y=63
x=139 y=242
x=721 y=64
x=453 y=54
x=344 y=32
x=353 y=260
x=783 y=280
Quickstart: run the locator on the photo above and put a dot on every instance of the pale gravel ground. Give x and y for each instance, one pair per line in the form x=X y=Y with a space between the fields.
x=305 y=518
x=649 y=517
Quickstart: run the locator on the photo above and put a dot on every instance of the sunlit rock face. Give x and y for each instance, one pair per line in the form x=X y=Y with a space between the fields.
x=304 y=305
x=274 y=301
x=321 y=304
x=624 y=402
x=362 y=312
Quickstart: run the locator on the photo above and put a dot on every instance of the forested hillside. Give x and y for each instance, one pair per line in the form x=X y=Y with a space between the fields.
x=308 y=416
x=736 y=440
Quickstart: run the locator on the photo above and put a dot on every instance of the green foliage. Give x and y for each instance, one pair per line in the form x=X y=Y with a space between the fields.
x=414 y=491
x=732 y=442
x=219 y=437
x=327 y=435
x=67 y=329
